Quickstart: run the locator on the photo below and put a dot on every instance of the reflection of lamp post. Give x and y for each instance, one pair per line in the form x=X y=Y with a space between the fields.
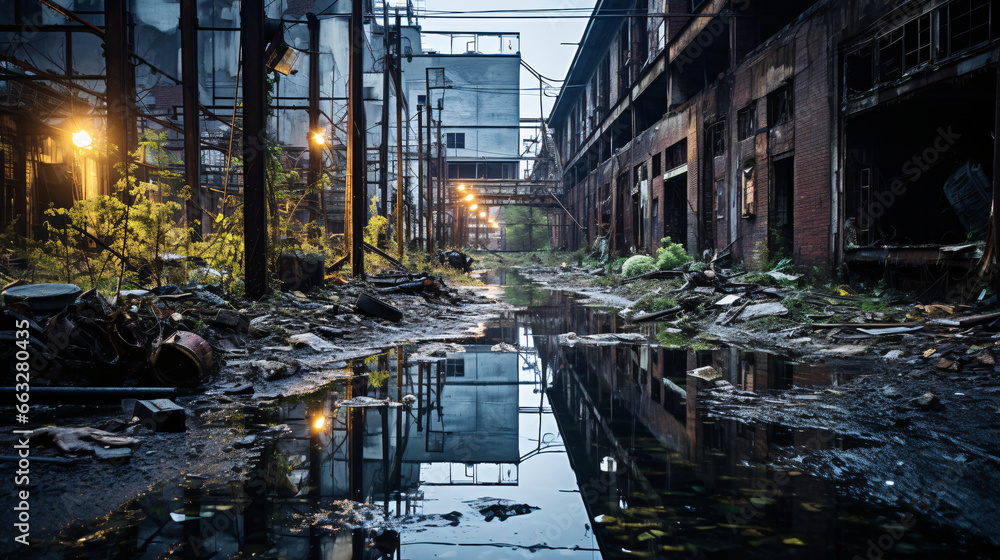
x=478 y=222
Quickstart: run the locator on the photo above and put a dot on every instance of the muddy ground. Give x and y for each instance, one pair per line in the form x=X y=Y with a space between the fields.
x=919 y=414
x=224 y=430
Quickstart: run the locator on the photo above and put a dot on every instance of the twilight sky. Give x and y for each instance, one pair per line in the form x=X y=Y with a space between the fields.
x=540 y=39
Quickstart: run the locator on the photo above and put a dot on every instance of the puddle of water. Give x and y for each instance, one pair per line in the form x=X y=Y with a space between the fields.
x=582 y=452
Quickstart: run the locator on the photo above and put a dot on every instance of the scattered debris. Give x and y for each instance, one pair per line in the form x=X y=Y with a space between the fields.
x=456 y=259
x=79 y=440
x=763 y=310
x=374 y=307
x=503 y=347
x=184 y=359
x=369 y=402
x=608 y=339
x=312 y=341
x=503 y=511
x=927 y=401
x=272 y=370
x=160 y=415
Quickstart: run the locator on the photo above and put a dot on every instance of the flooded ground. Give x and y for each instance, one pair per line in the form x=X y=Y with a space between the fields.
x=514 y=445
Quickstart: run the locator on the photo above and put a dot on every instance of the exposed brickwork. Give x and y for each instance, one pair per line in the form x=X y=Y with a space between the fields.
x=805 y=56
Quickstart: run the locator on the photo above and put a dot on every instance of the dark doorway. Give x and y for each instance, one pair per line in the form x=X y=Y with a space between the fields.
x=782 y=219
x=675 y=211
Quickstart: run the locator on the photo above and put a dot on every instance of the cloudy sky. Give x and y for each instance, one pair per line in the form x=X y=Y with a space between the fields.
x=541 y=39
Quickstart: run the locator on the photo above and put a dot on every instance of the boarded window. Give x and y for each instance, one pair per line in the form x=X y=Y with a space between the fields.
x=748 y=195
x=746 y=121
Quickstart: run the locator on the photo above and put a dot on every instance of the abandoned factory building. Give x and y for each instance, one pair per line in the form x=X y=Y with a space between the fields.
x=828 y=132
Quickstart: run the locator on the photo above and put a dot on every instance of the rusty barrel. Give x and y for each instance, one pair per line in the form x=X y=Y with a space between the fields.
x=183 y=360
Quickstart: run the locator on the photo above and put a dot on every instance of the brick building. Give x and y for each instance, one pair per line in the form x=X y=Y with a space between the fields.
x=855 y=131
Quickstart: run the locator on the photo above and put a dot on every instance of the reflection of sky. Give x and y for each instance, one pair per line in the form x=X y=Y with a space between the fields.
x=546 y=481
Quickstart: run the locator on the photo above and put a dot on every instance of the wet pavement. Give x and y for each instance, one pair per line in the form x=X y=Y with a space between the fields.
x=512 y=445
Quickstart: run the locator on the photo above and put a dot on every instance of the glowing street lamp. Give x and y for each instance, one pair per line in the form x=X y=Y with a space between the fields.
x=82 y=139
x=461 y=187
x=473 y=207
x=470 y=198
x=319 y=138
x=482 y=214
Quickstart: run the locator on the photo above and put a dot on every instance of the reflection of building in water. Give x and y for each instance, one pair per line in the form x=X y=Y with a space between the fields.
x=644 y=454
x=470 y=432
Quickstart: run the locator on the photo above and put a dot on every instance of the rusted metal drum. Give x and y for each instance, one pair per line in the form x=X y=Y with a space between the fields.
x=183 y=360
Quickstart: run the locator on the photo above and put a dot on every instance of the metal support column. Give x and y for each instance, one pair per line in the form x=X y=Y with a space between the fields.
x=383 y=151
x=254 y=149
x=440 y=185
x=118 y=104
x=357 y=189
x=400 y=181
x=315 y=148
x=192 y=127
x=420 y=177
x=430 y=182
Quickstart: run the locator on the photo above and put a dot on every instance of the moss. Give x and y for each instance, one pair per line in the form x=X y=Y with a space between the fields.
x=681 y=340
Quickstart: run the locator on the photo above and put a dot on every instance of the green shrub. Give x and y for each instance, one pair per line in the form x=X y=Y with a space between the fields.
x=671 y=255
x=639 y=264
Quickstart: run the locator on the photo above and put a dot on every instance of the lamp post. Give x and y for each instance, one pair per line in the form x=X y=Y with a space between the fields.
x=319 y=139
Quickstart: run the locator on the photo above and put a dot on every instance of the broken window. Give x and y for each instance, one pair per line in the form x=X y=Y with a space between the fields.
x=421 y=100
x=677 y=155
x=657 y=165
x=661 y=36
x=640 y=175
x=717 y=138
x=748 y=195
x=779 y=105
x=860 y=69
x=456 y=140
x=604 y=79
x=746 y=119
x=904 y=48
x=917 y=42
x=965 y=24
x=720 y=195
x=890 y=56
